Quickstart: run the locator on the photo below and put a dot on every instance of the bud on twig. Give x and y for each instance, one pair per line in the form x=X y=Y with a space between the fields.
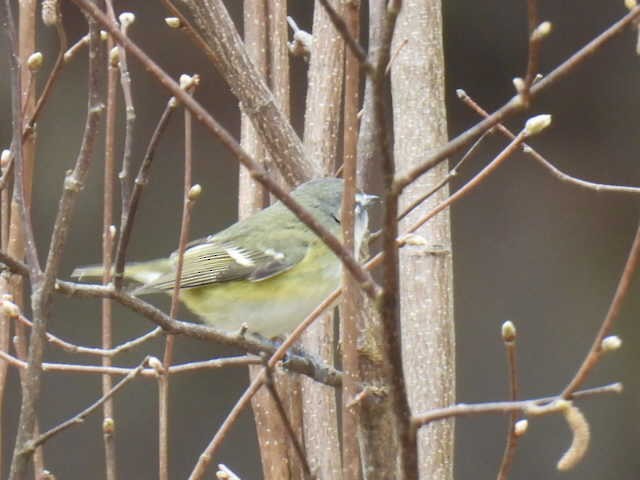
x=611 y=343
x=173 y=22
x=126 y=19
x=541 y=31
x=520 y=427
x=508 y=331
x=194 y=192
x=536 y=124
x=34 y=62
x=108 y=426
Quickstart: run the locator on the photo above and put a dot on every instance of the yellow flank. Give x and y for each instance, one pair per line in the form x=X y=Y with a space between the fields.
x=228 y=305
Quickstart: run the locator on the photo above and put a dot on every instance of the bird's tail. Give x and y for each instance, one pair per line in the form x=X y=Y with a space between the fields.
x=140 y=273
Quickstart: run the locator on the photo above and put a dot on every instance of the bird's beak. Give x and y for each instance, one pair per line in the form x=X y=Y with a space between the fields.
x=365 y=199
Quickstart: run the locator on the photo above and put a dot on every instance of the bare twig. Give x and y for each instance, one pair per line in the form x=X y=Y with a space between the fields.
x=596 y=351
x=53 y=76
x=515 y=104
x=126 y=20
x=189 y=198
x=321 y=373
x=474 y=182
x=80 y=417
x=43 y=285
x=74 y=49
x=19 y=231
x=533 y=57
x=21 y=149
x=557 y=173
x=509 y=339
x=108 y=232
x=100 y=352
x=14 y=265
x=445 y=180
x=140 y=182
x=466 y=409
x=213 y=364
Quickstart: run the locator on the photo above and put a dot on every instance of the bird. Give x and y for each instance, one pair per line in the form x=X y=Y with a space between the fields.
x=264 y=274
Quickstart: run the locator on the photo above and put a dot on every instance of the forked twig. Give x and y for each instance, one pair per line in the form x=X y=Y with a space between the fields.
x=515 y=104
x=557 y=173
x=466 y=409
x=80 y=417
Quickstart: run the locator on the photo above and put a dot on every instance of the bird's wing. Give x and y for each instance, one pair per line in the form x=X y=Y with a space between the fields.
x=210 y=261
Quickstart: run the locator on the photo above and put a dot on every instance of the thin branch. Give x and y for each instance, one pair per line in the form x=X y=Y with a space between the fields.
x=15 y=266
x=42 y=286
x=126 y=19
x=100 y=352
x=260 y=174
x=296 y=363
x=515 y=104
x=80 y=417
x=509 y=339
x=596 y=351
x=140 y=182
x=108 y=237
x=213 y=364
x=466 y=409
x=189 y=83
x=557 y=173
x=445 y=180
x=19 y=234
x=474 y=182
x=53 y=76
x=533 y=57
x=74 y=49
x=23 y=224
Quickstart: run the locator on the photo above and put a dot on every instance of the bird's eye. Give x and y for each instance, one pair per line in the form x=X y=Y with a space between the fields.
x=335 y=218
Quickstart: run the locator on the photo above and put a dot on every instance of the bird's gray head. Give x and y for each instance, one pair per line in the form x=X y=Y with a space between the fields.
x=325 y=195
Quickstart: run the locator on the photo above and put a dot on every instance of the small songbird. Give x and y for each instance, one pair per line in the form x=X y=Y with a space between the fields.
x=268 y=271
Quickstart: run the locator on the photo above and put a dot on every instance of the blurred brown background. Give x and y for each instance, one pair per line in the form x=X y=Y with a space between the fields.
x=526 y=247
